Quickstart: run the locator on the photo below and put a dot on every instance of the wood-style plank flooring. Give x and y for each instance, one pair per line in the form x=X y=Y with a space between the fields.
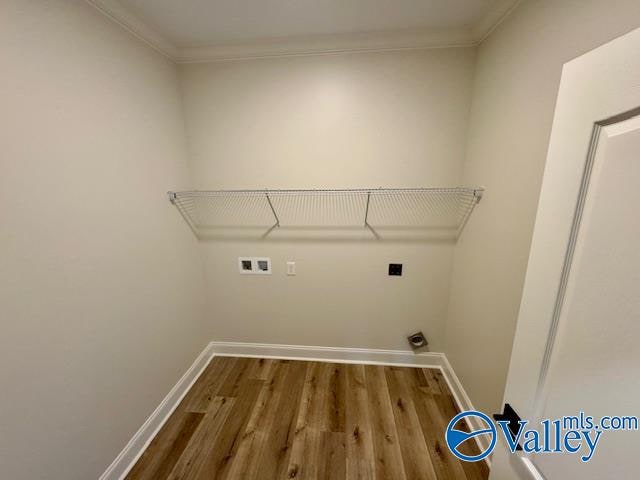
x=249 y=418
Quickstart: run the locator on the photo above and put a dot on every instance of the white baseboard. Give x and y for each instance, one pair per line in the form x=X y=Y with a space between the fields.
x=325 y=354
x=140 y=441
x=149 y=429
x=464 y=403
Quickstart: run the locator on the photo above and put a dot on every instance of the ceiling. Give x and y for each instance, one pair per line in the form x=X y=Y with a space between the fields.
x=204 y=30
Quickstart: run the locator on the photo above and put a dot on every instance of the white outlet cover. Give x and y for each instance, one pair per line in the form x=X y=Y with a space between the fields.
x=254 y=265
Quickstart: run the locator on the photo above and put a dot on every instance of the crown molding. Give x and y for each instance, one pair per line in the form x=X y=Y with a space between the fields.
x=494 y=17
x=134 y=25
x=329 y=44
x=310 y=45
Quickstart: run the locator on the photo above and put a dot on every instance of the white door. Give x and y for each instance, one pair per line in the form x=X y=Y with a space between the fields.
x=577 y=345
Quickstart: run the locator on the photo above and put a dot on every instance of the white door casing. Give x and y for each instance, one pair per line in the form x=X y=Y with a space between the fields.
x=580 y=310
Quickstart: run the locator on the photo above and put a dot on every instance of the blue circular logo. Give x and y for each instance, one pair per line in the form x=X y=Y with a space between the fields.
x=456 y=437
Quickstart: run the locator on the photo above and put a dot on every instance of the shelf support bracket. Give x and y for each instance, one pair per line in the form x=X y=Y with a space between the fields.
x=366 y=212
x=366 y=218
x=273 y=210
x=173 y=198
x=477 y=196
x=477 y=193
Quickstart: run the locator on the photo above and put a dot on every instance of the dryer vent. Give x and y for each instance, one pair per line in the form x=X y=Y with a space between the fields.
x=417 y=340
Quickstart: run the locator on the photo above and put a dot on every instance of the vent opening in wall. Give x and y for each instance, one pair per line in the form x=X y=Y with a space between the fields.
x=417 y=341
x=254 y=265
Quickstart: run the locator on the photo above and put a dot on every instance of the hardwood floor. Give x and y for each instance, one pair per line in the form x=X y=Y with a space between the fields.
x=265 y=419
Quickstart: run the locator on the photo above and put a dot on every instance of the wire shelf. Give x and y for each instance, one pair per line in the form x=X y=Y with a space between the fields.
x=442 y=209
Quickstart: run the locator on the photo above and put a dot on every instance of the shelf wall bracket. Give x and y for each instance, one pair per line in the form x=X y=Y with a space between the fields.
x=478 y=193
x=366 y=218
x=366 y=212
x=477 y=196
x=273 y=210
x=173 y=198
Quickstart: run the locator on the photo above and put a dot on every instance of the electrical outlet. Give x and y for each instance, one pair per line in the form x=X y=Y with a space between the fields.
x=395 y=269
x=291 y=268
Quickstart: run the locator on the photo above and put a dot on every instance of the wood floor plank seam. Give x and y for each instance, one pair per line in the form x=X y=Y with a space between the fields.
x=414 y=452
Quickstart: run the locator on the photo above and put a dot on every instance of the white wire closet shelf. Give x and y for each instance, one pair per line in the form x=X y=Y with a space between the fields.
x=443 y=210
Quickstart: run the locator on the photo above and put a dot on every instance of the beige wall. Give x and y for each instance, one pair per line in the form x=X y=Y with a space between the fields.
x=515 y=87
x=359 y=120
x=101 y=292
x=100 y=283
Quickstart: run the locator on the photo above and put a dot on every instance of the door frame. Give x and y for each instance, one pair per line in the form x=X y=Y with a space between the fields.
x=596 y=90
